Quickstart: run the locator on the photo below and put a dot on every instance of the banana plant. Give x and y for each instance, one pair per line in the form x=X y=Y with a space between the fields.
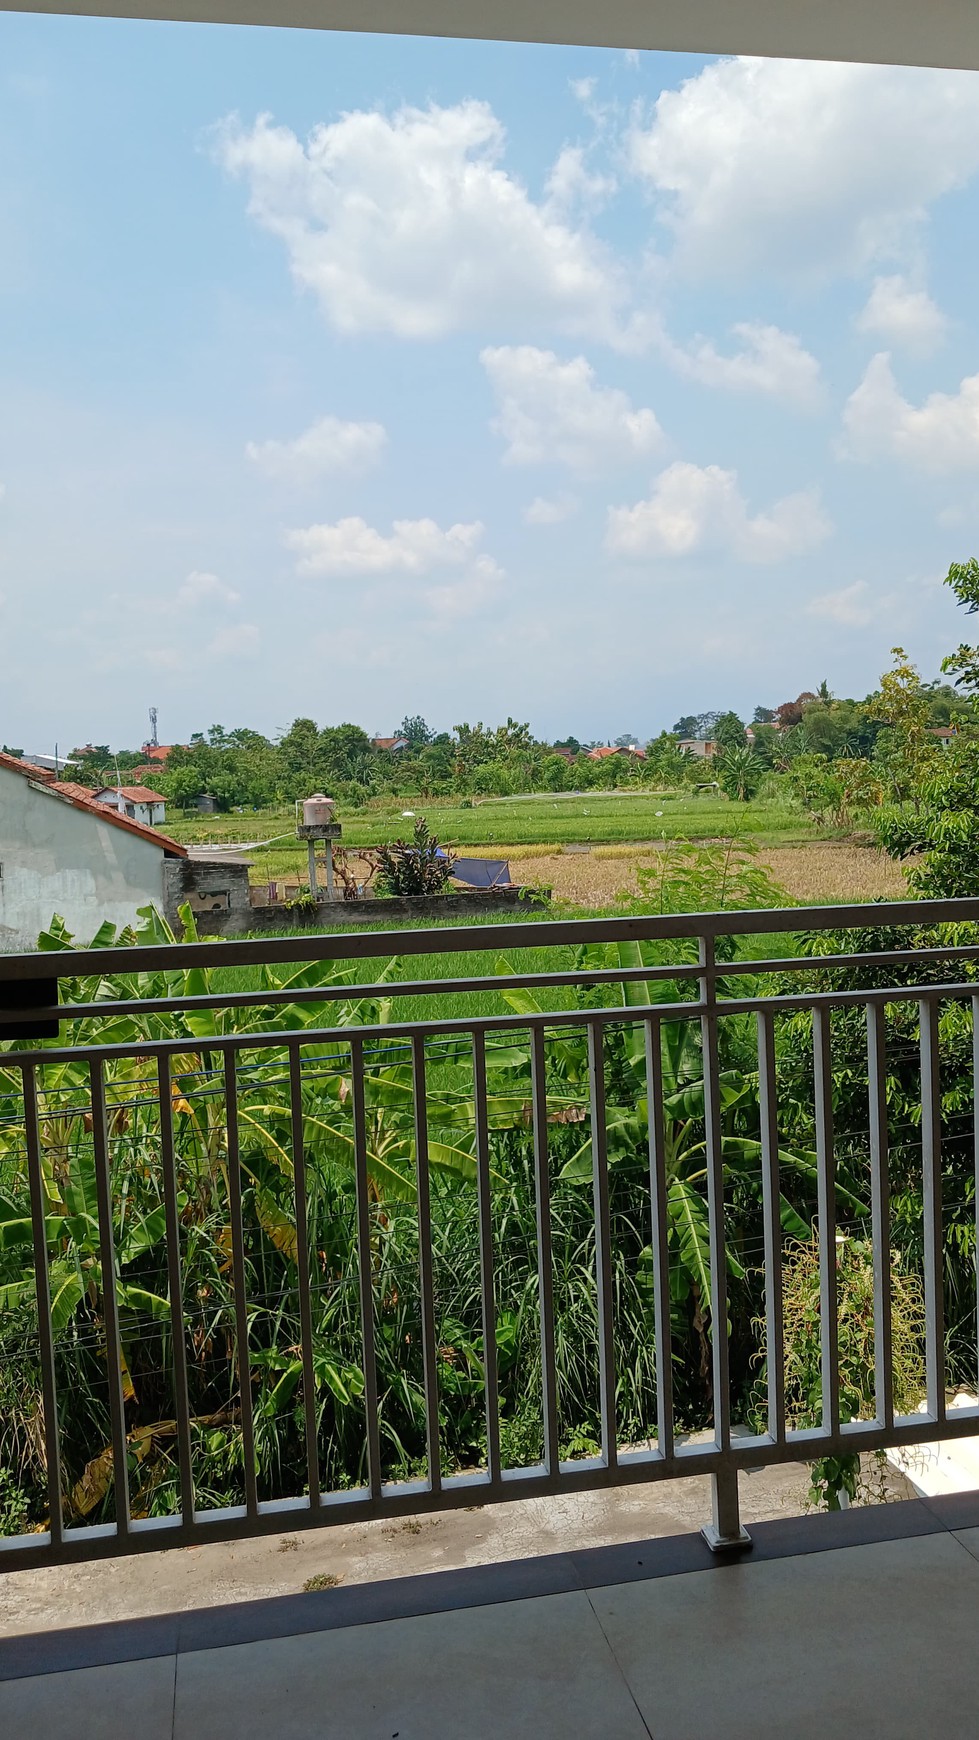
x=685 y=1145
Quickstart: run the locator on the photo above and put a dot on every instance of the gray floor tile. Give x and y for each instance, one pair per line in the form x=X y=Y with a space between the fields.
x=876 y=1640
x=128 y=1699
x=524 y=1670
x=969 y=1538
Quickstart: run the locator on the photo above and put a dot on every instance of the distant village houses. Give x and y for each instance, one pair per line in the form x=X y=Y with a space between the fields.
x=138 y=802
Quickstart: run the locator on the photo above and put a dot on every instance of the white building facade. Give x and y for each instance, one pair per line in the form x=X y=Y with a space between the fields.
x=59 y=854
x=137 y=802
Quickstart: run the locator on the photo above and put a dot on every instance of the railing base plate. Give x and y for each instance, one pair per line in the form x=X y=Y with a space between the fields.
x=718 y=1543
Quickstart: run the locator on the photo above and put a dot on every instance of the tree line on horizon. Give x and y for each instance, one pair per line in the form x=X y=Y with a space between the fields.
x=817 y=741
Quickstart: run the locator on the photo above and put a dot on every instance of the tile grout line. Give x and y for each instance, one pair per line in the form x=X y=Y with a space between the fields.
x=955 y=1534
x=618 y=1665
x=173 y=1706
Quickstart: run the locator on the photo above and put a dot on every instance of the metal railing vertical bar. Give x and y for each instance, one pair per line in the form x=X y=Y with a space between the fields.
x=545 y=1263
x=240 y=1282
x=487 y=1280
x=931 y=1190
x=829 y=1328
x=42 y=1290
x=297 y=1122
x=659 y=1236
x=880 y=1213
x=720 y=1369
x=426 y=1268
x=365 y=1265
x=772 y=1231
x=603 y=1244
x=178 y=1327
x=110 y=1299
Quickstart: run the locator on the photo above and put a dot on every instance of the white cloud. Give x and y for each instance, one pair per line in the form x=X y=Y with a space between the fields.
x=571 y=183
x=415 y=547
x=200 y=588
x=804 y=166
x=771 y=361
x=409 y=224
x=850 y=606
x=554 y=412
x=694 y=508
x=239 y=642
x=550 y=510
x=327 y=446
x=903 y=315
x=940 y=435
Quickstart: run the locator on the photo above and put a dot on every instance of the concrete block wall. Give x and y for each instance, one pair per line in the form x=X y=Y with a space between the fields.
x=244 y=919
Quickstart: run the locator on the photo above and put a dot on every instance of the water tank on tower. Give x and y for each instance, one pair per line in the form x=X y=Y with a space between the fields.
x=317 y=811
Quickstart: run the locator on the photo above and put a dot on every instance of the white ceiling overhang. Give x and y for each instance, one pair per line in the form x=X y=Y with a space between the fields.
x=899 y=32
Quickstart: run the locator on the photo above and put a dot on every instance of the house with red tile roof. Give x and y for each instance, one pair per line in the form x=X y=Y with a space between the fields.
x=61 y=851
x=139 y=802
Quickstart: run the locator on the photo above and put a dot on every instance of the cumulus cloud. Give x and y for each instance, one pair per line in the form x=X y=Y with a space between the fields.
x=409 y=223
x=201 y=588
x=903 y=316
x=352 y=548
x=571 y=183
x=804 y=166
x=770 y=361
x=693 y=509
x=940 y=435
x=555 y=412
x=550 y=510
x=850 y=606
x=327 y=446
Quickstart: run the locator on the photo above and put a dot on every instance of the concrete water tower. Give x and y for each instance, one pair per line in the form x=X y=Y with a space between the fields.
x=318 y=824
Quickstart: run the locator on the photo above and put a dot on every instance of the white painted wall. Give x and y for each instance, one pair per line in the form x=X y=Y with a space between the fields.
x=58 y=859
x=150 y=815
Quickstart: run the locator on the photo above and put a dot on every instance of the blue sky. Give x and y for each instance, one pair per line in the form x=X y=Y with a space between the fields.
x=352 y=376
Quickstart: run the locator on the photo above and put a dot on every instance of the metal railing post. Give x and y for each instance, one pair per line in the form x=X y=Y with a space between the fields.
x=725 y=1533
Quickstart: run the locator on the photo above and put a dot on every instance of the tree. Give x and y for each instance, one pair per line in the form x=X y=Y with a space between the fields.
x=626 y=740
x=739 y=772
x=729 y=731
x=556 y=773
x=686 y=725
x=941 y=825
x=415 y=731
x=299 y=750
x=908 y=744
x=762 y=715
x=963 y=579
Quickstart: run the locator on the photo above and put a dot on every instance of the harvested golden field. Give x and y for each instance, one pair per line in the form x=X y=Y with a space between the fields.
x=819 y=872
x=826 y=871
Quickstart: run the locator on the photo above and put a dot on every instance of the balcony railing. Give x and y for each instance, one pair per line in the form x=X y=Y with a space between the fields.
x=184 y=1134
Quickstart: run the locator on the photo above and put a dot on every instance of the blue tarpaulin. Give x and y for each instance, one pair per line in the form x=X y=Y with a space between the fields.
x=482 y=872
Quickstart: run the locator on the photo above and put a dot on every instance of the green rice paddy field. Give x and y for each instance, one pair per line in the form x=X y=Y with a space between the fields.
x=549 y=819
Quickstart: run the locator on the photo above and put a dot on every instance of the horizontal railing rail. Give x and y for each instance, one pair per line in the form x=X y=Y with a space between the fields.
x=455 y=939
x=248 y=1231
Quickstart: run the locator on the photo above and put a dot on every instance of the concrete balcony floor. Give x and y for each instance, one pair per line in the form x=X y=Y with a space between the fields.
x=862 y=1622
